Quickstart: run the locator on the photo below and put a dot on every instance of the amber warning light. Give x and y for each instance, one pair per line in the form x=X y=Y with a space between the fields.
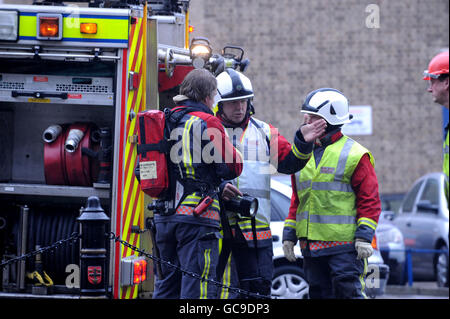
x=49 y=27
x=88 y=28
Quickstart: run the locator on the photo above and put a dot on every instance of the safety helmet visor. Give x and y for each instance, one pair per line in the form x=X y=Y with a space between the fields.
x=235 y=98
x=437 y=66
x=428 y=76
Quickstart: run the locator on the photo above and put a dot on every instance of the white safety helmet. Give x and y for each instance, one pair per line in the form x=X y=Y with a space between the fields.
x=233 y=85
x=330 y=104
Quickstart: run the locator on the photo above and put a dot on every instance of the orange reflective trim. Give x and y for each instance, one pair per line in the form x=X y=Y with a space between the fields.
x=188 y=210
x=260 y=235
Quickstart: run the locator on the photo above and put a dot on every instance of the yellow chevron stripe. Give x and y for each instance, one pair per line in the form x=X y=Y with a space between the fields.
x=136 y=197
x=134 y=41
x=128 y=210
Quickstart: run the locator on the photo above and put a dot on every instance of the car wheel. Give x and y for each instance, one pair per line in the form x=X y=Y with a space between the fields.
x=289 y=283
x=441 y=268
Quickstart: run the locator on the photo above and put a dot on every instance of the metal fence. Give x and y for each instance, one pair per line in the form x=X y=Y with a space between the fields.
x=408 y=269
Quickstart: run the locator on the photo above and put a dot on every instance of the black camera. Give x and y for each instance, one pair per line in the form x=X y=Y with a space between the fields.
x=244 y=206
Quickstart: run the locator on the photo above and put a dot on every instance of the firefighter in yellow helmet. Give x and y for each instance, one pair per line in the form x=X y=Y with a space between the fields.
x=437 y=74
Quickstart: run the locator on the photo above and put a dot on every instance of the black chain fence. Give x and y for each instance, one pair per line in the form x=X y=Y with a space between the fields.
x=51 y=248
x=187 y=272
x=112 y=236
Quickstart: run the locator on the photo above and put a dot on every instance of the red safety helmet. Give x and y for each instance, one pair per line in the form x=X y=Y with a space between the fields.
x=438 y=65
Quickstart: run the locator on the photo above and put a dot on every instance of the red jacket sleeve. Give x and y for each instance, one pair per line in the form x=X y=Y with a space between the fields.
x=230 y=156
x=368 y=205
x=289 y=158
x=289 y=230
x=294 y=200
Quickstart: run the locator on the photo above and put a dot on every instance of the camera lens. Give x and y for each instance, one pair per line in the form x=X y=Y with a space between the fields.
x=245 y=206
x=253 y=207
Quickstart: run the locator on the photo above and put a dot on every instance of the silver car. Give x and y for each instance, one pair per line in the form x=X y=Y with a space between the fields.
x=289 y=280
x=423 y=221
x=392 y=247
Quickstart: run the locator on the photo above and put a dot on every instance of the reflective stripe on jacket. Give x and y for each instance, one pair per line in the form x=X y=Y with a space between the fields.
x=327 y=203
x=195 y=137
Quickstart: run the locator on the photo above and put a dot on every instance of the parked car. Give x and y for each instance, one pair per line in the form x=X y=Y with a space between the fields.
x=391 y=202
x=392 y=248
x=289 y=279
x=423 y=221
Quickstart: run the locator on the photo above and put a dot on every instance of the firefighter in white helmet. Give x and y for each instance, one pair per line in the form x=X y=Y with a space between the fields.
x=335 y=204
x=262 y=146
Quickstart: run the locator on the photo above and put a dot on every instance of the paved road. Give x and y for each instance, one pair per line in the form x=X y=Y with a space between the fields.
x=385 y=296
x=419 y=290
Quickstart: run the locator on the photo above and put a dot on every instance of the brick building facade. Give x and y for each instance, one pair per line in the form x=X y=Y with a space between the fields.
x=296 y=46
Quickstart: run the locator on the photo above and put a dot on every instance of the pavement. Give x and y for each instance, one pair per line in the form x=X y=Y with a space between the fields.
x=424 y=289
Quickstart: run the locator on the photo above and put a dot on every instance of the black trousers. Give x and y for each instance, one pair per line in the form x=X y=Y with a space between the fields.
x=339 y=276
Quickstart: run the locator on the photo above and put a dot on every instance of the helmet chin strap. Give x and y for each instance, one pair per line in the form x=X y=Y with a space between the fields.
x=329 y=132
x=332 y=128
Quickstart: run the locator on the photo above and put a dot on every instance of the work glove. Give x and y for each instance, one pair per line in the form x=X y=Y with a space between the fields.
x=288 y=250
x=363 y=248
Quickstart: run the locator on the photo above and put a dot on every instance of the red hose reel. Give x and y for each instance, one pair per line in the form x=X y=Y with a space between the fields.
x=66 y=157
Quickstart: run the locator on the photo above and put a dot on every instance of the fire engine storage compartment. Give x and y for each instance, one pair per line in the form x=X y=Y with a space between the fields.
x=51 y=209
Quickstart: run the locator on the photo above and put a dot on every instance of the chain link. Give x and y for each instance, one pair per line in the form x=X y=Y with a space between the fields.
x=75 y=236
x=186 y=272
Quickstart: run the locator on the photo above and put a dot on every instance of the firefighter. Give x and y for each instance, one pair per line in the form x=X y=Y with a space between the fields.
x=335 y=204
x=262 y=146
x=437 y=74
x=187 y=239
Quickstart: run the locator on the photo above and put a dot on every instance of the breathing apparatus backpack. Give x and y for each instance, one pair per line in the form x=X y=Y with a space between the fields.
x=153 y=148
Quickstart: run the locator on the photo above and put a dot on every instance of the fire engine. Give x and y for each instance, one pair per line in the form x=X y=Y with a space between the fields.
x=72 y=80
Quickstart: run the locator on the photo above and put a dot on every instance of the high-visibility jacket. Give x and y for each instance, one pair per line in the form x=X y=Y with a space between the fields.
x=327 y=202
x=263 y=149
x=446 y=163
x=255 y=178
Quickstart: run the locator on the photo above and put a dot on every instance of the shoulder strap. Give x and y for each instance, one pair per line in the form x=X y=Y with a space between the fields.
x=259 y=126
x=172 y=117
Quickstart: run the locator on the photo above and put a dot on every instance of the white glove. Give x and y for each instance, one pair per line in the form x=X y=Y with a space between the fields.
x=288 y=250
x=363 y=248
